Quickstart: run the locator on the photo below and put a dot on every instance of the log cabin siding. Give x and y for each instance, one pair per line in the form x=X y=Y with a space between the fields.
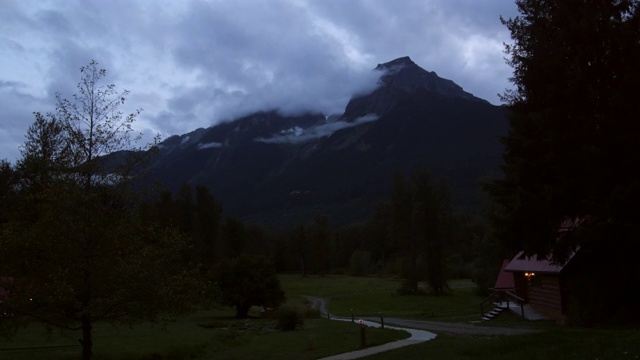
x=545 y=294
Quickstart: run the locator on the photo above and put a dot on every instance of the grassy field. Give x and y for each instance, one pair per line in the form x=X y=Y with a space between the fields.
x=203 y=335
x=368 y=296
x=566 y=344
x=216 y=334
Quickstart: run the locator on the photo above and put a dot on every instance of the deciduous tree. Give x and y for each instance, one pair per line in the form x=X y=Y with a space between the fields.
x=247 y=281
x=74 y=251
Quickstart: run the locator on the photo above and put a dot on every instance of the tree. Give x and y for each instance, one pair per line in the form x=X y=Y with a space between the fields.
x=247 y=281
x=421 y=226
x=400 y=229
x=433 y=225
x=7 y=190
x=74 y=249
x=573 y=134
x=321 y=238
x=299 y=242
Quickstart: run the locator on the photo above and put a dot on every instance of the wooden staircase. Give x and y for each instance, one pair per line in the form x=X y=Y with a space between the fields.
x=497 y=310
x=517 y=307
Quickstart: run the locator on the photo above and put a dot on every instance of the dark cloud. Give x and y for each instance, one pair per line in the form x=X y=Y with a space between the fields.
x=194 y=63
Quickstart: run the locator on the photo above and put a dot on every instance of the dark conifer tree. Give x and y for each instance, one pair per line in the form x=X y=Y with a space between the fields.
x=572 y=149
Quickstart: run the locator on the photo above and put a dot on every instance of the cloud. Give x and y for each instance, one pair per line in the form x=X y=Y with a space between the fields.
x=298 y=135
x=194 y=63
x=211 y=145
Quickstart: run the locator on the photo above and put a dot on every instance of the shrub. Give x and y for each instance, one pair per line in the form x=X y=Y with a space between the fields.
x=289 y=319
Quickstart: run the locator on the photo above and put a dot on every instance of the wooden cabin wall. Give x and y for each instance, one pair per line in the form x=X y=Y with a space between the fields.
x=545 y=294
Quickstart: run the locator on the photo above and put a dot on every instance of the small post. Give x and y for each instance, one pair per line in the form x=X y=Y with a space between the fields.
x=381 y=320
x=352 y=319
x=328 y=315
x=363 y=335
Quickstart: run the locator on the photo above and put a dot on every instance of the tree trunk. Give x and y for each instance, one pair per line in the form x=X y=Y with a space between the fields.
x=242 y=311
x=413 y=277
x=86 y=341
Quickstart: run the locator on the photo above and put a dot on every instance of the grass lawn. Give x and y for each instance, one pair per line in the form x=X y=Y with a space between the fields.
x=561 y=343
x=202 y=335
x=216 y=334
x=368 y=296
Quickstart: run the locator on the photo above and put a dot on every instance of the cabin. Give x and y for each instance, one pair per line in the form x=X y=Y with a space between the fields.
x=542 y=283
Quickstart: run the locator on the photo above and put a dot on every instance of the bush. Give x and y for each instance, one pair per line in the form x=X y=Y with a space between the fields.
x=289 y=319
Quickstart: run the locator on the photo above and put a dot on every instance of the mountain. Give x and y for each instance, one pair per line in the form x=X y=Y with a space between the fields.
x=278 y=169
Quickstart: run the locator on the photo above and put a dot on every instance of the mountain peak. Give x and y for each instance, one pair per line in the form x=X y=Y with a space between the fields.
x=401 y=61
x=404 y=74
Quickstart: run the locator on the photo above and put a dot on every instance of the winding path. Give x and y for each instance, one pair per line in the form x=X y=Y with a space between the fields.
x=416 y=328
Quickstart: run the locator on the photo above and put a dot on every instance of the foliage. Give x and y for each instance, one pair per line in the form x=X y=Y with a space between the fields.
x=248 y=281
x=574 y=137
x=289 y=318
x=74 y=250
x=360 y=263
x=573 y=134
x=197 y=215
x=321 y=243
x=421 y=224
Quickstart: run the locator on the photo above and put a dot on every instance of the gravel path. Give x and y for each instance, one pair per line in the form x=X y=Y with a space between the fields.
x=440 y=326
x=414 y=327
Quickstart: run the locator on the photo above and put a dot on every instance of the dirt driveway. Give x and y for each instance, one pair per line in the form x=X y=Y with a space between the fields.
x=438 y=326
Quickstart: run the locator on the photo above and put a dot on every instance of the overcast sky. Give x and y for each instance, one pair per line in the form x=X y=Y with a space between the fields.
x=191 y=64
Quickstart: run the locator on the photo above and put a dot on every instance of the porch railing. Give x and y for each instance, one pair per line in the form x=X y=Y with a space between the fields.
x=502 y=295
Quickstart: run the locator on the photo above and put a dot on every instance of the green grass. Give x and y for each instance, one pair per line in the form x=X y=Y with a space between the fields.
x=368 y=296
x=216 y=334
x=203 y=335
x=561 y=343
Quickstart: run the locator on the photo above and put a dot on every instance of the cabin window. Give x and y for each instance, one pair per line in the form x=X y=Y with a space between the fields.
x=534 y=281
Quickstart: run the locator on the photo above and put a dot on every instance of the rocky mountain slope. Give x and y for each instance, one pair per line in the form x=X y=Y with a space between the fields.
x=284 y=169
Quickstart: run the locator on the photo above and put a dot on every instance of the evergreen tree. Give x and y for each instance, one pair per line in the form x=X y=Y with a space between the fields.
x=421 y=227
x=574 y=134
x=322 y=237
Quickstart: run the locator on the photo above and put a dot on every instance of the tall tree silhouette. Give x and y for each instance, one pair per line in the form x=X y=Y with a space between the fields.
x=574 y=132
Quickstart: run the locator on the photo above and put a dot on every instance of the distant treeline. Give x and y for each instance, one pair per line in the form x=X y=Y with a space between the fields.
x=415 y=235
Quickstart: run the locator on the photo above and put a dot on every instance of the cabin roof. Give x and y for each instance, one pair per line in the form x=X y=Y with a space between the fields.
x=521 y=263
x=505 y=279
